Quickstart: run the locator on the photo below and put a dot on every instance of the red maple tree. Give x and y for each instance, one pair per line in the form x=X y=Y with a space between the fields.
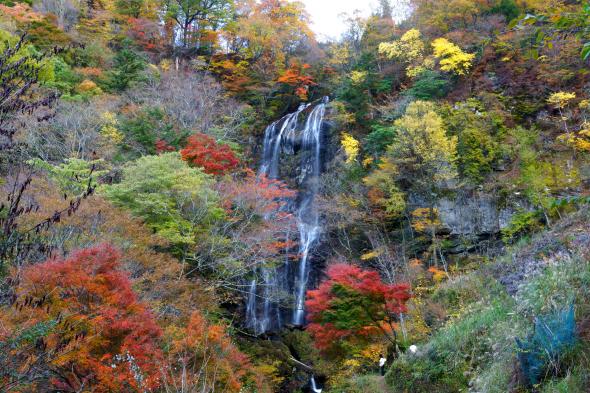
x=163 y=147
x=353 y=304
x=89 y=329
x=204 y=152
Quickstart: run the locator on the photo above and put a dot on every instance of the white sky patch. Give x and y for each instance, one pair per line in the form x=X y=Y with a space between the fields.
x=326 y=15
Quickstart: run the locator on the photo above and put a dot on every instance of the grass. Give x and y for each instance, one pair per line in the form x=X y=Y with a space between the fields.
x=475 y=350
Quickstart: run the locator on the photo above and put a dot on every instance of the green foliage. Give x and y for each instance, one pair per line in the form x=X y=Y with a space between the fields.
x=127 y=69
x=30 y=335
x=66 y=79
x=129 y=7
x=358 y=384
x=426 y=374
x=33 y=58
x=540 y=177
x=375 y=144
x=175 y=200
x=93 y=54
x=521 y=224
x=143 y=129
x=478 y=133
x=429 y=85
x=74 y=175
x=508 y=8
x=421 y=151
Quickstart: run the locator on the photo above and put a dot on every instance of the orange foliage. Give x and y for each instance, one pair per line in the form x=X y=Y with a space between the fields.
x=99 y=221
x=90 y=71
x=21 y=13
x=99 y=337
x=146 y=33
x=296 y=77
x=207 y=357
x=254 y=205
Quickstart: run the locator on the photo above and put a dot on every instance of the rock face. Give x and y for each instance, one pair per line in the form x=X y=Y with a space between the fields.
x=474 y=214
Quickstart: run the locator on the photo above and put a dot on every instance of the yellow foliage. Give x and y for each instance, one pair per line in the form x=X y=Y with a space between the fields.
x=409 y=47
x=271 y=371
x=368 y=161
x=351 y=147
x=383 y=179
x=358 y=77
x=109 y=128
x=579 y=141
x=340 y=55
x=371 y=255
x=166 y=65
x=452 y=58
x=560 y=99
x=410 y=50
x=424 y=219
x=342 y=116
x=88 y=86
x=422 y=145
x=438 y=275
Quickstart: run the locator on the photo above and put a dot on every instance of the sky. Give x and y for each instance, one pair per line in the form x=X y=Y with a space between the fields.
x=325 y=14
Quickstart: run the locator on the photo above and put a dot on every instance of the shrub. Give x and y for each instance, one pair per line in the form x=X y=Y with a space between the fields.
x=426 y=374
x=430 y=85
x=377 y=141
x=553 y=335
x=521 y=224
x=204 y=152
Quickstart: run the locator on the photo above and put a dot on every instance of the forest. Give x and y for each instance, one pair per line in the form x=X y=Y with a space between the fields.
x=205 y=196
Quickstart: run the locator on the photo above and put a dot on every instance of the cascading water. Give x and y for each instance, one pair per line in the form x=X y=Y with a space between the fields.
x=314 y=386
x=290 y=136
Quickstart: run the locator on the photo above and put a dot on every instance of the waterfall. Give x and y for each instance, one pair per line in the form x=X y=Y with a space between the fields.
x=290 y=136
x=307 y=215
x=314 y=386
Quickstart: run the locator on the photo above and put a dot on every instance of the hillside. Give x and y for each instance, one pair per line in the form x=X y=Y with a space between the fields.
x=201 y=196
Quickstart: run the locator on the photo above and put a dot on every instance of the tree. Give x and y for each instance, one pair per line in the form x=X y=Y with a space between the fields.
x=385 y=9
x=296 y=77
x=256 y=233
x=191 y=101
x=452 y=58
x=421 y=159
x=351 y=147
x=268 y=34
x=126 y=70
x=410 y=50
x=353 y=304
x=196 y=19
x=22 y=71
x=202 y=358
x=429 y=85
x=175 y=200
x=202 y=151
x=75 y=324
x=74 y=175
x=477 y=132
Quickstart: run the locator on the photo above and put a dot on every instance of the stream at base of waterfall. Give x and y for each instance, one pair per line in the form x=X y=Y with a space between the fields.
x=297 y=133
